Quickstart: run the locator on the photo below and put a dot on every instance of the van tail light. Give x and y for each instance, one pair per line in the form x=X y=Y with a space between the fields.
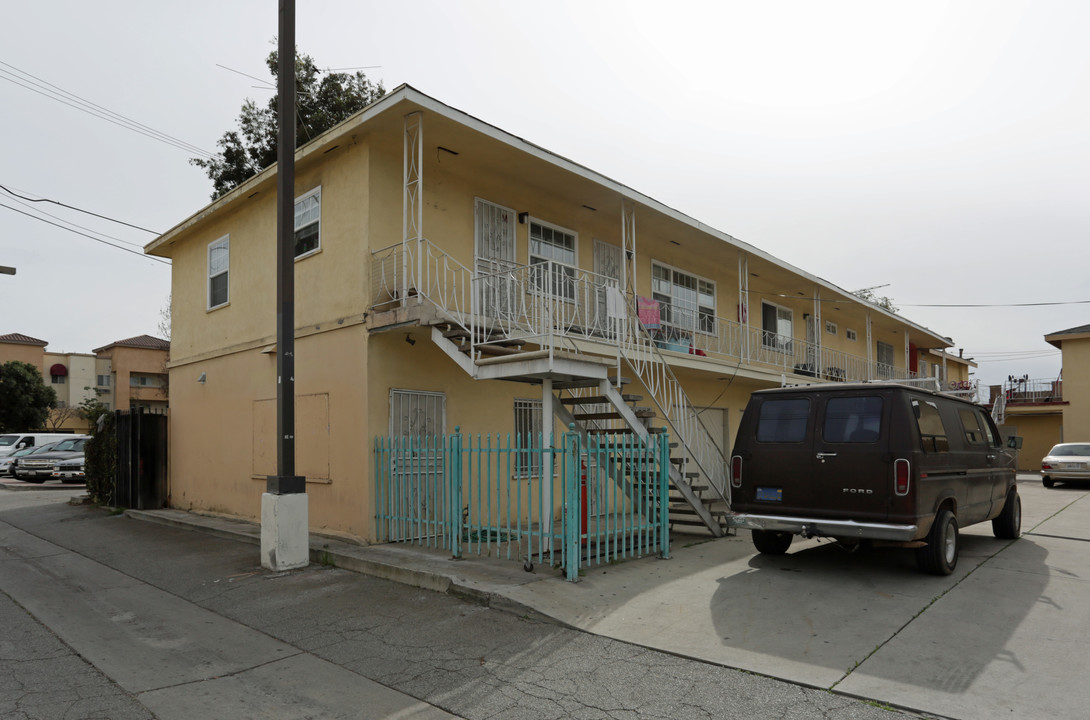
x=901 y=477
x=736 y=471
x=1046 y=466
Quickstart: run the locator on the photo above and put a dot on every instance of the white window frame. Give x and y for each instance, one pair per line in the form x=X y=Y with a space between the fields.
x=701 y=311
x=830 y=327
x=315 y=193
x=222 y=243
x=851 y=334
x=774 y=340
x=569 y=269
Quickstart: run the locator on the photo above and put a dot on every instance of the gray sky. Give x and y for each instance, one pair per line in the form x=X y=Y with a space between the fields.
x=941 y=148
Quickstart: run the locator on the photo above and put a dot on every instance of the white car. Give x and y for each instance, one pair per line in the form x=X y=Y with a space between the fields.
x=1066 y=461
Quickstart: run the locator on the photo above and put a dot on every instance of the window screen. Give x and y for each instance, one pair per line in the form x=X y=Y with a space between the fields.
x=933 y=433
x=783 y=420
x=853 y=420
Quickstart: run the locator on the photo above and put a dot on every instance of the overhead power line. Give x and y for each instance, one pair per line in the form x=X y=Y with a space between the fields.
x=90 y=237
x=42 y=87
x=71 y=207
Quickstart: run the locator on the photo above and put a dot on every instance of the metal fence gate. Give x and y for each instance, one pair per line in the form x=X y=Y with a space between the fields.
x=141 y=459
x=472 y=495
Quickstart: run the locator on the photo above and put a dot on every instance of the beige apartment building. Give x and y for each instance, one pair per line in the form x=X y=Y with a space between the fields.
x=449 y=274
x=123 y=375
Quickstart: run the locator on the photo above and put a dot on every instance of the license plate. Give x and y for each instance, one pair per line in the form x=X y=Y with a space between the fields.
x=770 y=494
x=1074 y=466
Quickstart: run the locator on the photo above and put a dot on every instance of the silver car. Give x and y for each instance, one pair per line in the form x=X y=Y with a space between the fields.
x=1066 y=461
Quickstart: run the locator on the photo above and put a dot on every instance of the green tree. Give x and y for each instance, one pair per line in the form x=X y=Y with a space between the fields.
x=323 y=99
x=25 y=399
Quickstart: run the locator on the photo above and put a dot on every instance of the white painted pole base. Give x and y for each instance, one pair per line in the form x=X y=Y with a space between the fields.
x=285 y=533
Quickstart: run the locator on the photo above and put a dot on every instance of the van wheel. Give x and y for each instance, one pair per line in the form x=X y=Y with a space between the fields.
x=940 y=555
x=1047 y=481
x=771 y=542
x=1008 y=524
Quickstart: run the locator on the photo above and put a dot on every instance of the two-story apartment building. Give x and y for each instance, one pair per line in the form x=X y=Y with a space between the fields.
x=450 y=274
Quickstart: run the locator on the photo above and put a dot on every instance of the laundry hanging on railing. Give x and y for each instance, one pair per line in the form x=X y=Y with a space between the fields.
x=649 y=313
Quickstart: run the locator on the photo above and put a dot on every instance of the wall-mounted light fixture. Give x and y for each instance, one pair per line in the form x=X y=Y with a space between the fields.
x=522 y=217
x=201 y=378
x=409 y=339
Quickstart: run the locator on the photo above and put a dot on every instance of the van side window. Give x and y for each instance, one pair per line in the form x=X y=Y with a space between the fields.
x=932 y=431
x=974 y=434
x=853 y=420
x=783 y=421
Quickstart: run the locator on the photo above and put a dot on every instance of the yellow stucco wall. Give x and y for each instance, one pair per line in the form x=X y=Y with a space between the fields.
x=17 y=352
x=1039 y=432
x=1076 y=389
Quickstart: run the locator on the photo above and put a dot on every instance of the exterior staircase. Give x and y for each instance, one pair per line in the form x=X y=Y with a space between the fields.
x=542 y=346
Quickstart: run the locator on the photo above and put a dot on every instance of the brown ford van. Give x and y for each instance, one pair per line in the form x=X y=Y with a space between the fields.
x=871 y=462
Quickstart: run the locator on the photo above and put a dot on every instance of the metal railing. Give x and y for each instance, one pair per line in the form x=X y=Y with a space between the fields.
x=1033 y=390
x=485 y=496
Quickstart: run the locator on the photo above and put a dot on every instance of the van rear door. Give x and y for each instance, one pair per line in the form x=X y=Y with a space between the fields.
x=779 y=461
x=853 y=468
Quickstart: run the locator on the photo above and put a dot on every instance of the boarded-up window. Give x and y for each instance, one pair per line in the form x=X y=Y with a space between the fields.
x=311 y=436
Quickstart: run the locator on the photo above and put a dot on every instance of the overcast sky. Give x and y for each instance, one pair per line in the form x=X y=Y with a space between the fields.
x=940 y=149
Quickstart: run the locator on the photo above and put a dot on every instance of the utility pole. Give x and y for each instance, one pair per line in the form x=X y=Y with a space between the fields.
x=285 y=541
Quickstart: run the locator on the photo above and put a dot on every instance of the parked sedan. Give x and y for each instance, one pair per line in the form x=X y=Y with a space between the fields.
x=8 y=461
x=70 y=470
x=1066 y=461
x=38 y=467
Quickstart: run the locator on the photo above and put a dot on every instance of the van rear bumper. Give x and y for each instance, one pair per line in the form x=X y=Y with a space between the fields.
x=815 y=527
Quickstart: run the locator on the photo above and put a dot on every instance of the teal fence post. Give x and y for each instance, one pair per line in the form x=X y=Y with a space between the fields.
x=454 y=510
x=664 y=494
x=572 y=505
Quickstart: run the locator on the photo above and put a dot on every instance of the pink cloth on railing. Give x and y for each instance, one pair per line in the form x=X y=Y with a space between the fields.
x=648 y=311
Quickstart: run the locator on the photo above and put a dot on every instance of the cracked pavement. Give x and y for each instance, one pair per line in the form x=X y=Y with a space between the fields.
x=132 y=620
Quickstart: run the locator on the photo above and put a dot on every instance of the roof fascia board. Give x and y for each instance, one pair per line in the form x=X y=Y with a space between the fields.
x=407 y=93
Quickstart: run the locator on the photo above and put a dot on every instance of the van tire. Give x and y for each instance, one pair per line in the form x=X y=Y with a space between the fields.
x=771 y=542
x=940 y=555
x=1008 y=524
x=1047 y=482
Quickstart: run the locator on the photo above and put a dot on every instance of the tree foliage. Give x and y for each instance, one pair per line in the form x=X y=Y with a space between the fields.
x=323 y=99
x=881 y=301
x=25 y=399
x=100 y=458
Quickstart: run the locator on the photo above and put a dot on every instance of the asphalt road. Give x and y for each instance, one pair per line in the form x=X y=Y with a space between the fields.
x=108 y=617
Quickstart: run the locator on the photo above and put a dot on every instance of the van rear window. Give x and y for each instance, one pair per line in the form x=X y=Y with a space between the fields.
x=853 y=420
x=783 y=420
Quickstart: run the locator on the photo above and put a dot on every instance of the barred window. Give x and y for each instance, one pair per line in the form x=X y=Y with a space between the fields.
x=528 y=429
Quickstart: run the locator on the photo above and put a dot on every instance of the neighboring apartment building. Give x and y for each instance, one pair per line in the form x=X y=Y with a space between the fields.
x=139 y=362
x=449 y=274
x=1046 y=411
x=132 y=373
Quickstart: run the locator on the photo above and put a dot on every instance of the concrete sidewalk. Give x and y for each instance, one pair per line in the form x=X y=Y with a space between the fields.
x=866 y=624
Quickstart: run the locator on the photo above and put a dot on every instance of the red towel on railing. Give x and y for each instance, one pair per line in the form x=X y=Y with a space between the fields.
x=649 y=313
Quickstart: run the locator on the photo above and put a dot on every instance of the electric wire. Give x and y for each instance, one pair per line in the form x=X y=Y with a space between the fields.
x=86 y=212
x=81 y=227
x=90 y=237
x=53 y=92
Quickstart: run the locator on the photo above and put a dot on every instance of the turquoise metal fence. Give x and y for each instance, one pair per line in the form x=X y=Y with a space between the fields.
x=593 y=499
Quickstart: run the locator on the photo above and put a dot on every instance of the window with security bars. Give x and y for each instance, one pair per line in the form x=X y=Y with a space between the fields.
x=885 y=360
x=308 y=217
x=528 y=429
